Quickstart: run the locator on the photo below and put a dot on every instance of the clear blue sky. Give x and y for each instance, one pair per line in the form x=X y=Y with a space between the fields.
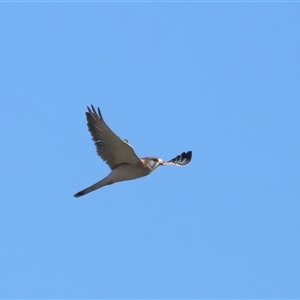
x=220 y=79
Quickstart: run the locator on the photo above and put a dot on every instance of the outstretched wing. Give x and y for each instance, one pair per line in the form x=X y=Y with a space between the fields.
x=113 y=150
x=180 y=160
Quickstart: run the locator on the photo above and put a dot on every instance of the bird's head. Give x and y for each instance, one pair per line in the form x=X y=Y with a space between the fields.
x=153 y=162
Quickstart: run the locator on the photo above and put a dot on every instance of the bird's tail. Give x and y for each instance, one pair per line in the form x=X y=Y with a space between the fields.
x=93 y=187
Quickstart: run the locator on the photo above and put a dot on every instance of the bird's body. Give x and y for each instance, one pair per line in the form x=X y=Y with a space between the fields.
x=120 y=156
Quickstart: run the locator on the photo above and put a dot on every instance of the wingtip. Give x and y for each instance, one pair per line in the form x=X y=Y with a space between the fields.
x=92 y=110
x=187 y=156
x=182 y=159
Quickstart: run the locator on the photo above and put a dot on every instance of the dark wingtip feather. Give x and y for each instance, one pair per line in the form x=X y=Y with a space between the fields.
x=189 y=155
x=93 y=111
x=186 y=157
x=183 y=159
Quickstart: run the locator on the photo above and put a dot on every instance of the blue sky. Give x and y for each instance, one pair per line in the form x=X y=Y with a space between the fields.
x=220 y=79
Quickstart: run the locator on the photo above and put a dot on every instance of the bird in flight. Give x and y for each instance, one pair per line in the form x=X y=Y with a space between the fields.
x=120 y=156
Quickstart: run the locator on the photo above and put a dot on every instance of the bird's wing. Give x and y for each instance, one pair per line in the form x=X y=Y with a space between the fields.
x=180 y=160
x=113 y=150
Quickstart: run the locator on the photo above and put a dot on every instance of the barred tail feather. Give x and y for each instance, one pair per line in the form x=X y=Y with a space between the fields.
x=93 y=187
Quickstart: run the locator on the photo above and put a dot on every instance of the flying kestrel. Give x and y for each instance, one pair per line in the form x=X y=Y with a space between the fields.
x=120 y=156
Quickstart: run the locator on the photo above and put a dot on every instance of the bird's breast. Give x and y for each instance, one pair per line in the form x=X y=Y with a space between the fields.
x=129 y=172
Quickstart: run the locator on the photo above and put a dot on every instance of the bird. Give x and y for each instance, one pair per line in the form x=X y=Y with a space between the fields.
x=120 y=156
